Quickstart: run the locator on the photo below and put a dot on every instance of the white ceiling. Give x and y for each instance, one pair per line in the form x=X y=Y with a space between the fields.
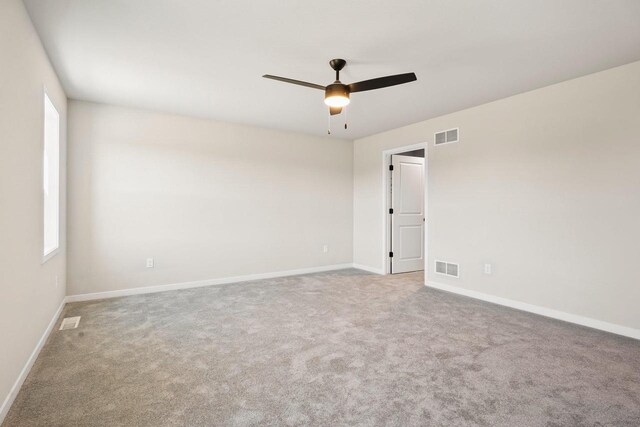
x=205 y=58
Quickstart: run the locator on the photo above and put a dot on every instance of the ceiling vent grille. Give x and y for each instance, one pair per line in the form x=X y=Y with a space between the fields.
x=446 y=136
x=70 y=323
x=447 y=269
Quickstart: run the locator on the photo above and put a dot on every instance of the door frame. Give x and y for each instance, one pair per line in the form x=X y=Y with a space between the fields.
x=386 y=203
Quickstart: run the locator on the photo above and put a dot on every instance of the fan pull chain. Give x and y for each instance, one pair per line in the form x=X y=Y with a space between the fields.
x=329 y=123
x=345 y=117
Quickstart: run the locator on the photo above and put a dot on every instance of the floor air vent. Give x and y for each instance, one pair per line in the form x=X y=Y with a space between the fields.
x=447 y=268
x=446 y=136
x=70 y=323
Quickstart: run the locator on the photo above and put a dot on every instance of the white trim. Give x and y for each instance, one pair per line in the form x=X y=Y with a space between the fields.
x=8 y=401
x=201 y=283
x=386 y=161
x=369 y=269
x=542 y=311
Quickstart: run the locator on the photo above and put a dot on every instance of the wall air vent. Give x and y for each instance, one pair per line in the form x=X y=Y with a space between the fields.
x=70 y=323
x=447 y=268
x=446 y=136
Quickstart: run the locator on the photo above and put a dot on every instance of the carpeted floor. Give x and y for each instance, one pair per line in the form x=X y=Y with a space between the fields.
x=329 y=349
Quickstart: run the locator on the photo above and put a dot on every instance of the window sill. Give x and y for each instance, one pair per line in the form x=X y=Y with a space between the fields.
x=50 y=255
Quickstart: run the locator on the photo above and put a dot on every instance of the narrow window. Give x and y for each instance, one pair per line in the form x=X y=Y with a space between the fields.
x=51 y=178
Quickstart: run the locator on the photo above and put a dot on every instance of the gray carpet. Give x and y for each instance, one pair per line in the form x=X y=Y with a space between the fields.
x=339 y=348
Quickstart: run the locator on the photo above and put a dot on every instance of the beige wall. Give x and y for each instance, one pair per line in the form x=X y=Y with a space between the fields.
x=544 y=185
x=205 y=199
x=29 y=296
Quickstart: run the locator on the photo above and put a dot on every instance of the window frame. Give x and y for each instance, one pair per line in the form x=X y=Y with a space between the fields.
x=53 y=251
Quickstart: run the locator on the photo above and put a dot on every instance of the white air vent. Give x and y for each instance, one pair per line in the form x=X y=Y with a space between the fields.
x=446 y=136
x=447 y=268
x=70 y=323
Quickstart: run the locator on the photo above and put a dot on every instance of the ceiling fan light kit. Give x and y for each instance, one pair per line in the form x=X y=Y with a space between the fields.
x=337 y=94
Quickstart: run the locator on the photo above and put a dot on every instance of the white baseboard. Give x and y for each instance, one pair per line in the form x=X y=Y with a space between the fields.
x=543 y=311
x=369 y=269
x=201 y=283
x=8 y=401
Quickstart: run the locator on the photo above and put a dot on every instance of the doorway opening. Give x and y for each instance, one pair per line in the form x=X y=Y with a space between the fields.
x=405 y=207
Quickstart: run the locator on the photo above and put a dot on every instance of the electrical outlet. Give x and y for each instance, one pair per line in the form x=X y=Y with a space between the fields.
x=487 y=269
x=149 y=262
x=325 y=248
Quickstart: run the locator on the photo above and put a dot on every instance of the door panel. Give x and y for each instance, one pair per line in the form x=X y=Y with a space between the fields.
x=410 y=186
x=410 y=242
x=407 y=220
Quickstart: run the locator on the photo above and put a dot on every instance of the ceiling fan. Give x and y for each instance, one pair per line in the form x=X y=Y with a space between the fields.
x=336 y=95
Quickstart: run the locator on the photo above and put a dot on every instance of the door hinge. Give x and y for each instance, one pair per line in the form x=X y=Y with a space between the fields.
x=390 y=167
x=390 y=254
x=391 y=211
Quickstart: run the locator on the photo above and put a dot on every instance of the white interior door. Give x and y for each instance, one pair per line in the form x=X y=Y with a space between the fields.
x=407 y=219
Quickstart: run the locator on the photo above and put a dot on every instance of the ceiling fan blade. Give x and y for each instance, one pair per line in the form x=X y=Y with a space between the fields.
x=381 y=82
x=335 y=110
x=295 y=82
